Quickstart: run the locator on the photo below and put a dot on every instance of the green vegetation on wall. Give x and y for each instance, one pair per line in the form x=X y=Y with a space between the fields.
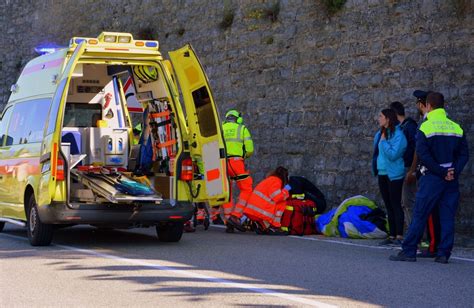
x=333 y=6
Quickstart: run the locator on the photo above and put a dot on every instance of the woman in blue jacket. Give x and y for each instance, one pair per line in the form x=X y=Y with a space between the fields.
x=387 y=163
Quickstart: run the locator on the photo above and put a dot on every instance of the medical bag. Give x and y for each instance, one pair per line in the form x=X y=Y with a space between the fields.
x=298 y=218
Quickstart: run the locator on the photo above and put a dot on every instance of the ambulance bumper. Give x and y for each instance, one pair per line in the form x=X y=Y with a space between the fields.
x=103 y=214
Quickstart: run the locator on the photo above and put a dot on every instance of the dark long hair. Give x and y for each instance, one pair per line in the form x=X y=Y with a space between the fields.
x=281 y=173
x=392 y=121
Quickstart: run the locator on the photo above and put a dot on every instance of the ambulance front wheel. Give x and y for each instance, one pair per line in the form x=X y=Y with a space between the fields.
x=39 y=234
x=170 y=231
x=2 y=224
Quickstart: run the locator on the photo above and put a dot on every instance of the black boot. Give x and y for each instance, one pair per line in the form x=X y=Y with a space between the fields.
x=401 y=256
x=229 y=229
x=235 y=222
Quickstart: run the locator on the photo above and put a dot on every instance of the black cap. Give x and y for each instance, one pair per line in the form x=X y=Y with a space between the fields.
x=420 y=94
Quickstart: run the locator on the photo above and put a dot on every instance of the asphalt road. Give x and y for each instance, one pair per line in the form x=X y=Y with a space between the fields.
x=86 y=267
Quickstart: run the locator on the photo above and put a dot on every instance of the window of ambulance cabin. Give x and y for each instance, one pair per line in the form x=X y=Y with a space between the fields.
x=205 y=112
x=28 y=121
x=4 y=124
x=82 y=115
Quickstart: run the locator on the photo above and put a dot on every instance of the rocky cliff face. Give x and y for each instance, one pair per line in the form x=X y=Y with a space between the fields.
x=310 y=84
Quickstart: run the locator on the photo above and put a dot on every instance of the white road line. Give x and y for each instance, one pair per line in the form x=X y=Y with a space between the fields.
x=350 y=244
x=188 y=273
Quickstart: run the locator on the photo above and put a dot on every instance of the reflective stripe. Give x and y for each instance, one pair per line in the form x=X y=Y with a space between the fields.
x=234 y=140
x=284 y=228
x=227 y=210
x=261 y=195
x=239 y=210
x=289 y=208
x=247 y=138
x=240 y=206
x=239 y=132
x=259 y=210
x=444 y=134
x=297 y=196
x=275 y=193
x=446 y=165
x=279 y=213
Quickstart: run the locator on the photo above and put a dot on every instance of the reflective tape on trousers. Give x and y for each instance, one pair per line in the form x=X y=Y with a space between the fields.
x=259 y=210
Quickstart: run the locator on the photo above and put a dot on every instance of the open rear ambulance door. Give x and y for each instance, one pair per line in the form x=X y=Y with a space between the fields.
x=206 y=138
x=53 y=168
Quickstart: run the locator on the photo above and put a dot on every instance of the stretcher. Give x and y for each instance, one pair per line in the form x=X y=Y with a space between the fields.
x=113 y=186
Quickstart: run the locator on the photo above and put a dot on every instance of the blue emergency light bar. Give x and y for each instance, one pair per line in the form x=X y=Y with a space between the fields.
x=47 y=48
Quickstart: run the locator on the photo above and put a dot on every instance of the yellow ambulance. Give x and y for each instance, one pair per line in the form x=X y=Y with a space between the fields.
x=67 y=154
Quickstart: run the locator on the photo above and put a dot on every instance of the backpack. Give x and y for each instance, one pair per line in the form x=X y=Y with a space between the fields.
x=298 y=217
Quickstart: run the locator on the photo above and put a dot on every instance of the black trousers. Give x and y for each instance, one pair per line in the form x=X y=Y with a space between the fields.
x=392 y=197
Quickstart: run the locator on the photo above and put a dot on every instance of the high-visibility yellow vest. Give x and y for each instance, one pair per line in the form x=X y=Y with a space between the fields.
x=237 y=139
x=438 y=124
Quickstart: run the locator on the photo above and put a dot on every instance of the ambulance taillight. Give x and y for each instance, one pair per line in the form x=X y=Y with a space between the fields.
x=187 y=169
x=60 y=170
x=57 y=164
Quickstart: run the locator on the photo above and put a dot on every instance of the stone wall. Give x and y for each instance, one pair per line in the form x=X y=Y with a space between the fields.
x=310 y=85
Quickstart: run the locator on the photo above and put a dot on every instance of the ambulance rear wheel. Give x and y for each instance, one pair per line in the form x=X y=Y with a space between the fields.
x=2 y=224
x=170 y=231
x=39 y=234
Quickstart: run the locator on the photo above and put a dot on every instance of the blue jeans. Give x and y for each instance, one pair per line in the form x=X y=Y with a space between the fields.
x=433 y=190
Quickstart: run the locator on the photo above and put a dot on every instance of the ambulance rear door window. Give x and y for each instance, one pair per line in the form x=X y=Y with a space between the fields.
x=204 y=111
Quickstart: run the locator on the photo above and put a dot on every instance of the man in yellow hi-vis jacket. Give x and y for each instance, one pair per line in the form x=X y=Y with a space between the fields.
x=239 y=146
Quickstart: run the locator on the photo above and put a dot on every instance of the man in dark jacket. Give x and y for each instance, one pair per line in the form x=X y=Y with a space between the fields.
x=442 y=149
x=409 y=127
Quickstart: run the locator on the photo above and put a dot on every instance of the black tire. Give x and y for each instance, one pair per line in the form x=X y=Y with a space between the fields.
x=39 y=234
x=2 y=224
x=170 y=232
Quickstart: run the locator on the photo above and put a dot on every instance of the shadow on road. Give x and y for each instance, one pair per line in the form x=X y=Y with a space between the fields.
x=278 y=264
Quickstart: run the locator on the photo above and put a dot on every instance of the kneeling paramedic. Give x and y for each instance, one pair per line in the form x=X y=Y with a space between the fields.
x=442 y=149
x=239 y=147
x=266 y=204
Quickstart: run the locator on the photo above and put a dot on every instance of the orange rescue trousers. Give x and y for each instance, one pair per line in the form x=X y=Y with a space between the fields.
x=236 y=171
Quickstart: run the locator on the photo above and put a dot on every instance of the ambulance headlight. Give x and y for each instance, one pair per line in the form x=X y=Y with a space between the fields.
x=110 y=38
x=124 y=39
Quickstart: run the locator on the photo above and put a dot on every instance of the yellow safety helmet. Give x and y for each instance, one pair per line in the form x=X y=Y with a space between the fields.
x=236 y=114
x=146 y=73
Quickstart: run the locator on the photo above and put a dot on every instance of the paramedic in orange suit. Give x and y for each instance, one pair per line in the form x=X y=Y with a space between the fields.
x=239 y=146
x=266 y=204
